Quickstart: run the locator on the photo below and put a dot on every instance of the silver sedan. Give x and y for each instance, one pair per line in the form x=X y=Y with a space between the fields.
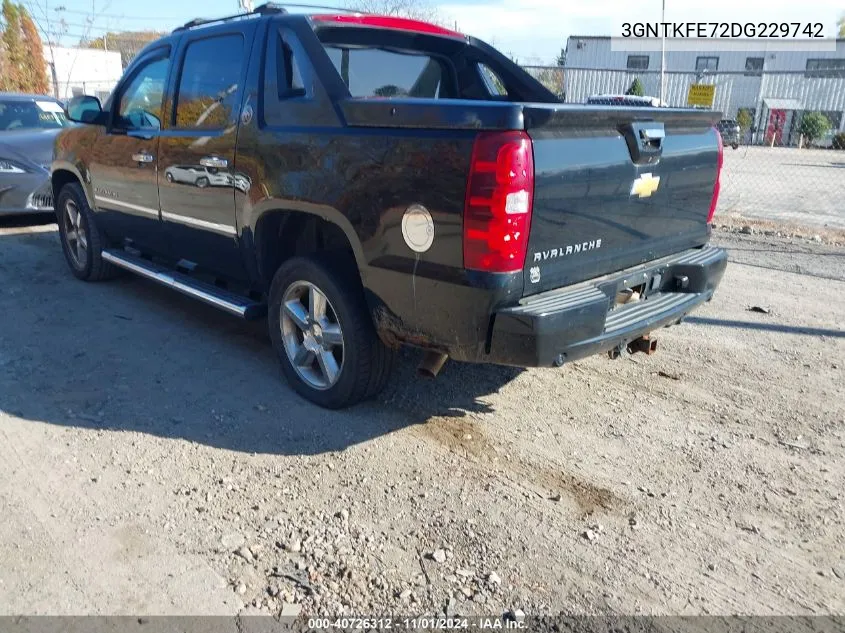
x=29 y=125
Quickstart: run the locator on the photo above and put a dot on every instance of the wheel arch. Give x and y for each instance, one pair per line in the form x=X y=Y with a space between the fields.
x=65 y=173
x=279 y=232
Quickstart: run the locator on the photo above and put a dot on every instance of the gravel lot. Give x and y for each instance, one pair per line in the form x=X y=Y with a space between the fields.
x=151 y=461
x=785 y=183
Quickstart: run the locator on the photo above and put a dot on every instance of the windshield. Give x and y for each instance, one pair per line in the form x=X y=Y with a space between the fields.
x=29 y=115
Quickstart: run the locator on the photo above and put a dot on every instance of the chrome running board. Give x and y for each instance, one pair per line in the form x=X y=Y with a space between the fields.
x=207 y=293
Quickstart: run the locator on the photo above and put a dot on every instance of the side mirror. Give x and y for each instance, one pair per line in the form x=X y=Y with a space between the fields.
x=86 y=109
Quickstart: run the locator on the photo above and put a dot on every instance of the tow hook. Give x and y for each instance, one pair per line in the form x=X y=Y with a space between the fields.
x=644 y=344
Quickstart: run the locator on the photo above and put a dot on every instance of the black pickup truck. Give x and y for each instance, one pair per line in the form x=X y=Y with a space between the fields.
x=366 y=182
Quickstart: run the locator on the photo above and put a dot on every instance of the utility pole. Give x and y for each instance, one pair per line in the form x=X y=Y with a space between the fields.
x=663 y=55
x=93 y=14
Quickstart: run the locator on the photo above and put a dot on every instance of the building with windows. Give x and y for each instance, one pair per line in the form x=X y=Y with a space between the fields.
x=77 y=71
x=775 y=81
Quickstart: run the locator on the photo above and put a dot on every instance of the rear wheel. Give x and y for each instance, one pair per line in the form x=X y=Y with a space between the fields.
x=81 y=240
x=322 y=332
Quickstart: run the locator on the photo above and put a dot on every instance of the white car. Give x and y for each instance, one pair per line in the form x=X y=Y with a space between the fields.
x=826 y=141
x=198 y=176
x=626 y=101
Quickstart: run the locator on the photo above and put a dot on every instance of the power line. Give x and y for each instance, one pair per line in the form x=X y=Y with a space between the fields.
x=123 y=17
x=88 y=26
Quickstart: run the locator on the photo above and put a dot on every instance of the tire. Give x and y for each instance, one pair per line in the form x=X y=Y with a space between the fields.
x=76 y=219
x=202 y=182
x=363 y=361
x=169 y=177
x=735 y=145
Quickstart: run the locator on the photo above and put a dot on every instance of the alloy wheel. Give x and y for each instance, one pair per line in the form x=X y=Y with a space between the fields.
x=312 y=335
x=77 y=240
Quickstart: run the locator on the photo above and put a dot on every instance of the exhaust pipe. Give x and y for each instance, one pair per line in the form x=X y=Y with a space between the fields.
x=431 y=364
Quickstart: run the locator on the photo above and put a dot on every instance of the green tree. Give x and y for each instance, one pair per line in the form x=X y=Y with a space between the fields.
x=814 y=125
x=561 y=59
x=744 y=118
x=4 y=67
x=841 y=25
x=15 y=50
x=636 y=89
x=35 y=70
x=390 y=90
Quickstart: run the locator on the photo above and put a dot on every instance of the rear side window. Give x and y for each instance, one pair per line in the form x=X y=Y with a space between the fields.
x=288 y=74
x=375 y=72
x=494 y=84
x=209 y=81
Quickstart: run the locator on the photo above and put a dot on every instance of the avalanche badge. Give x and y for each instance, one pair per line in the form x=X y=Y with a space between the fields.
x=645 y=185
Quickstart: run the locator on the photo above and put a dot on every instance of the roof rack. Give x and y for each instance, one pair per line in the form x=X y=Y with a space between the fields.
x=265 y=9
x=321 y=7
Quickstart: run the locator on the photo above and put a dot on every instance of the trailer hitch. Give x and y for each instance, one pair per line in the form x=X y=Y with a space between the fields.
x=644 y=344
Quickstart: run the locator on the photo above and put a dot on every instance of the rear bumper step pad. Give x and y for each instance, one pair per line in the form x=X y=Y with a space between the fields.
x=579 y=321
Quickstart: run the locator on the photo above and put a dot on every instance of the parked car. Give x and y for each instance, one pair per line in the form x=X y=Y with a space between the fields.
x=630 y=101
x=29 y=125
x=830 y=140
x=492 y=225
x=731 y=132
x=198 y=176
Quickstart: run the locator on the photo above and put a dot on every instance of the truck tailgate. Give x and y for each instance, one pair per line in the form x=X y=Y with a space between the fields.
x=615 y=187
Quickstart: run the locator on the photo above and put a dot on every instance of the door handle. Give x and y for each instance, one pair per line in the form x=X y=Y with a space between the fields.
x=143 y=157
x=214 y=161
x=644 y=140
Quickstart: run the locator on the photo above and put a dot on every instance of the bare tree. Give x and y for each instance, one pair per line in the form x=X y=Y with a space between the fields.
x=413 y=9
x=54 y=28
x=127 y=43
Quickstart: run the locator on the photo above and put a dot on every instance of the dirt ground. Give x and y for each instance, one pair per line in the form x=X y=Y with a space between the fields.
x=153 y=462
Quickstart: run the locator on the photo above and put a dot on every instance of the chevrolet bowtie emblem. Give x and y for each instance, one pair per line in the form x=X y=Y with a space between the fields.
x=645 y=185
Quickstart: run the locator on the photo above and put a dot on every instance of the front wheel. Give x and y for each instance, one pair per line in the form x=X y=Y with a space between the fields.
x=202 y=182
x=81 y=239
x=322 y=332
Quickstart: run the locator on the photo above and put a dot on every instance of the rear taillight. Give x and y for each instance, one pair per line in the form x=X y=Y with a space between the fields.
x=500 y=196
x=715 y=199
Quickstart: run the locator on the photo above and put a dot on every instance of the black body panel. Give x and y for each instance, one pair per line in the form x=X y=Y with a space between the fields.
x=287 y=155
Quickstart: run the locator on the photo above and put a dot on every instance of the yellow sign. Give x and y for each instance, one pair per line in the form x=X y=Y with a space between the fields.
x=645 y=185
x=701 y=95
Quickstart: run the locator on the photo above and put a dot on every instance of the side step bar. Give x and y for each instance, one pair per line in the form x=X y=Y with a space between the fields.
x=187 y=285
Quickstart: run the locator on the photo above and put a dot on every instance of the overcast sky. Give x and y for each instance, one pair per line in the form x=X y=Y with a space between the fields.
x=534 y=31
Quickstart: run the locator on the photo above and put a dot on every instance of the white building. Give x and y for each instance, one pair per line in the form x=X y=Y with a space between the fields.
x=776 y=80
x=76 y=71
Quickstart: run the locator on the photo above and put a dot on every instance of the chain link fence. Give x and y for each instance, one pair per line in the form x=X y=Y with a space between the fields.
x=551 y=77
x=784 y=133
